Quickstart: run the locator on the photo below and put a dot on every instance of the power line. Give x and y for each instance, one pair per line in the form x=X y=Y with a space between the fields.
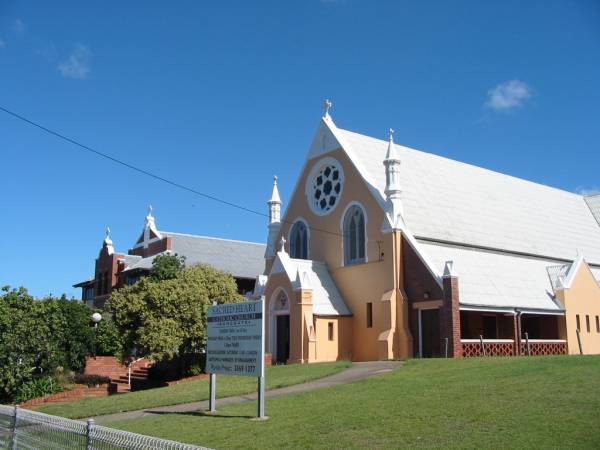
x=144 y=171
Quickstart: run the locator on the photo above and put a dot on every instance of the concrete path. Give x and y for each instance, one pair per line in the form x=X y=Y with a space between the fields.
x=358 y=371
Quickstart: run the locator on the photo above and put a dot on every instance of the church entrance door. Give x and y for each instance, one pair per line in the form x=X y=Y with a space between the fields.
x=283 y=339
x=430 y=332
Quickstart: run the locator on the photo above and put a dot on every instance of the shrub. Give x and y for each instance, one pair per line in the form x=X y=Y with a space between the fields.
x=90 y=380
x=38 y=387
x=195 y=369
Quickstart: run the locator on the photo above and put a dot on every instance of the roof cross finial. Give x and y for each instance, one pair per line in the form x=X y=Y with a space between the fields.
x=391 y=135
x=326 y=107
x=282 y=242
x=107 y=231
x=150 y=210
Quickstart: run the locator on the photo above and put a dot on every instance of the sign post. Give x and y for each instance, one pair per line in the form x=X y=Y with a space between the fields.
x=236 y=345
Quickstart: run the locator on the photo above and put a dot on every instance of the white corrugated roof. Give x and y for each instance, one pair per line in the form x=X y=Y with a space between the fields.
x=495 y=279
x=447 y=200
x=307 y=274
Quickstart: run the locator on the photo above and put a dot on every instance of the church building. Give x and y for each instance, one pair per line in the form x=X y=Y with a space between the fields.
x=387 y=252
x=243 y=260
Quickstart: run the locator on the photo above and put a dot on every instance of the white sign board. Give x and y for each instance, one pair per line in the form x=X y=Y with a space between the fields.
x=236 y=339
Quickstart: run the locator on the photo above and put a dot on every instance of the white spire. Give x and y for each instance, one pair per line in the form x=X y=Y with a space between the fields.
x=392 y=155
x=274 y=221
x=275 y=194
x=274 y=203
x=150 y=228
x=326 y=107
x=108 y=242
x=392 y=185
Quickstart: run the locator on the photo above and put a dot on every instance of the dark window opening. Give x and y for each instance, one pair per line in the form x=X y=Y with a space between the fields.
x=330 y=331
x=490 y=327
x=369 y=315
x=531 y=326
x=587 y=323
x=578 y=322
x=299 y=241
x=354 y=236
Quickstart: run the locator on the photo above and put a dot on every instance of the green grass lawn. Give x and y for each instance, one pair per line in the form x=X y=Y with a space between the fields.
x=276 y=376
x=547 y=402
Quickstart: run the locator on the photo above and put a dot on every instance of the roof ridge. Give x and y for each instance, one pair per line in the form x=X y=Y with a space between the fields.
x=211 y=237
x=435 y=155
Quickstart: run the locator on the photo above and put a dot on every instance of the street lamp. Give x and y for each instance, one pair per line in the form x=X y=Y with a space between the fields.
x=96 y=318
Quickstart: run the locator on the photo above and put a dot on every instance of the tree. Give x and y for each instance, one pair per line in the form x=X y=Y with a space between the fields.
x=39 y=337
x=167 y=267
x=164 y=318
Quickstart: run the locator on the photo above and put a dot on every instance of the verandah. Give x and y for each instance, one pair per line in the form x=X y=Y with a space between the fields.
x=496 y=333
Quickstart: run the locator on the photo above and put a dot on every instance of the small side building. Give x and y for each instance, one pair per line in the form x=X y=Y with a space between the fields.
x=243 y=260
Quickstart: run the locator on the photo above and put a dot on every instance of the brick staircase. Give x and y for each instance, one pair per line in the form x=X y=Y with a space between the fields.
x=110 y=367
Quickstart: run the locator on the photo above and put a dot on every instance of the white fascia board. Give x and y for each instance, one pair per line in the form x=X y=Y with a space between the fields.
x=487 y=309
x=284 y=264
x=141 y=244
x=377 y=194
x=573 y=270
x=542 y=312
x=334 y=140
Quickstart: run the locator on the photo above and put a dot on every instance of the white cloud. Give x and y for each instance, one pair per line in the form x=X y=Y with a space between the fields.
x=77 y=65
x=587 y=190
x=508 y=95
x=19 y=25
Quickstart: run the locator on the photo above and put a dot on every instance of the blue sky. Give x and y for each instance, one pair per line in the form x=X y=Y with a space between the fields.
x=220 y=96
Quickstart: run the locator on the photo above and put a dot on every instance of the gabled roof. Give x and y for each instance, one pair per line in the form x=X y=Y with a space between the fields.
x=307 y=274
x=447 y=200
x=239 y=258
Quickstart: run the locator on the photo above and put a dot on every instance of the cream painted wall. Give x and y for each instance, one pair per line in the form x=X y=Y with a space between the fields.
x=340 y=346
x=359 y=283
x=583 y=299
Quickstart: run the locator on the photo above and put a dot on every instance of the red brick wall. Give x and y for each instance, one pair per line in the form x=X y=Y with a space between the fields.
x=450 y=317
x=417 y=279
x=154 y=248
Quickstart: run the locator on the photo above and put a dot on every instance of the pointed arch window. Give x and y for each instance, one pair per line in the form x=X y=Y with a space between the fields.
x=354 y=236
x=299 y=241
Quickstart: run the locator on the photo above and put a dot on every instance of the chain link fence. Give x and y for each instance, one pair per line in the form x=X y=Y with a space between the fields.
x=24 y=429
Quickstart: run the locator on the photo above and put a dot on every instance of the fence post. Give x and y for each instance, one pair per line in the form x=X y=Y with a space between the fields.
x=527 y=343
x=579 y=342
x=13 y=430
x=89 y=430
x=482 y=345
x=446 y=349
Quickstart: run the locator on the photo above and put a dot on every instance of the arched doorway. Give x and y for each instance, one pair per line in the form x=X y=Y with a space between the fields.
x=280 y=327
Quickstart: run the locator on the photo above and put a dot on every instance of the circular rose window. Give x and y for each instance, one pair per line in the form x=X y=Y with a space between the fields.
x=324 y=186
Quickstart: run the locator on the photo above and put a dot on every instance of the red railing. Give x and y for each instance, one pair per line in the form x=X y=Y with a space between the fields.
x=493 y=347
x=539 y=347
x=506 y=347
